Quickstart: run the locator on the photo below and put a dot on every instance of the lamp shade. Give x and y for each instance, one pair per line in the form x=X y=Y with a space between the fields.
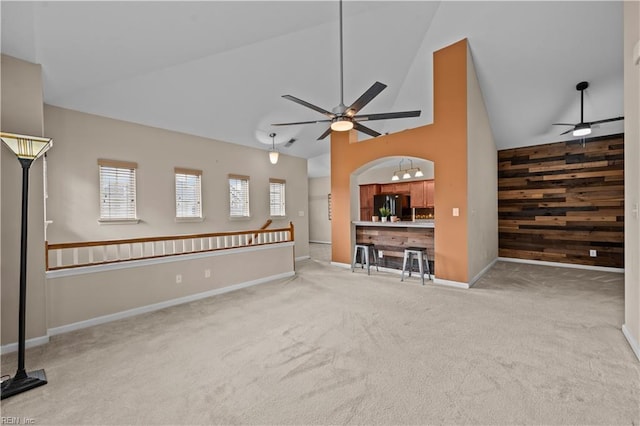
x=406 y=175
x=395 y=177
x=419 y=173
x=342 y=124
x=26 y=147
x=273 y=156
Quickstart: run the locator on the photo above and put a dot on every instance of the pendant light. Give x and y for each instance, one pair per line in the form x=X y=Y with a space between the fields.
x=273 y=154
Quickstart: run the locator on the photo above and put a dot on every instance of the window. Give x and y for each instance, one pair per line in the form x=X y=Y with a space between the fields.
x=117 y=190
x=238 y=196
x=276 y=197
x=188 y=193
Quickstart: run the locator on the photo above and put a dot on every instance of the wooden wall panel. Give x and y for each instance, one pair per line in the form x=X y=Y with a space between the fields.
x=556 y=202
x=393 y=240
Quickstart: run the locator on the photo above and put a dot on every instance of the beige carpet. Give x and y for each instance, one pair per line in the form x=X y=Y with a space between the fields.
x=527 y=345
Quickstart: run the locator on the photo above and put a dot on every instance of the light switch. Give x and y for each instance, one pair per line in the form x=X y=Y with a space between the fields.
x=456 y=211
x=300 y=213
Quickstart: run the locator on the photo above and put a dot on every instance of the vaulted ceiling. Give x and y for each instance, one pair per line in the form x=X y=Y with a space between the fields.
x=218 y=69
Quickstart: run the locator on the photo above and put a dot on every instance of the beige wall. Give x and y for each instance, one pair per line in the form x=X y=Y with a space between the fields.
x=319 y=223
x=632 y=171
x=73 y=180
x=77 y=298
x=21 y=113
x=482 y=193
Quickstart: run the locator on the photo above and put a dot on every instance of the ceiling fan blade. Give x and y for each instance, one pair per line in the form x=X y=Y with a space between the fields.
x=308 y=105
x=564 y=133
x=607 y=120
x=325 y=134
x=387 y=115
x=563 y=124
x=365 y=98
x=300 y=122
x=359 y=127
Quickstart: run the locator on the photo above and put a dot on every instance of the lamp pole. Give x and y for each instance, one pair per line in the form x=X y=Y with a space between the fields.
x=23 y=381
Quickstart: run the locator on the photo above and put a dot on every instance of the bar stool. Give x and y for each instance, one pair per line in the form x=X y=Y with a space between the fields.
x=421 y=257
x=365 y=249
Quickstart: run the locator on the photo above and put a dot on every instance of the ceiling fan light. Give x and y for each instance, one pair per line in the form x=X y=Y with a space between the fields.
x=419 y=173
x=342 y=125
x=582 y=130
x=273 y=156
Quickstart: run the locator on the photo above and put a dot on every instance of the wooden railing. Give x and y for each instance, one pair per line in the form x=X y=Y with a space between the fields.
x=89 y=253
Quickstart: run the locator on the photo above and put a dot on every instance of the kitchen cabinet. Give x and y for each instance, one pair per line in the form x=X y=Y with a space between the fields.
x=430 y=193
x=418 y=194
x=366 y=200
x=421 y=193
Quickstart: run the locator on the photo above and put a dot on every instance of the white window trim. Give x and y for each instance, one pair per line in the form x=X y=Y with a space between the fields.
x=188 y=172
x=284 y=203
x=116 y=164
x=248 y=196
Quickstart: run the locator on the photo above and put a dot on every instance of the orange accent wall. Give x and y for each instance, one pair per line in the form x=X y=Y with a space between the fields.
x=444 y=142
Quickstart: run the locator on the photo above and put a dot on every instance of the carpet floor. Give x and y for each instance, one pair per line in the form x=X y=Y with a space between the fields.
x=527 y=344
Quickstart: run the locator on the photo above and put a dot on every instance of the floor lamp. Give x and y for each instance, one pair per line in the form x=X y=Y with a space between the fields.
x=27 y=149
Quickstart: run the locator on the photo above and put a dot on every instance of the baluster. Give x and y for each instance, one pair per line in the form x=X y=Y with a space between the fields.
x=75 y=256
x=104 y=254
x=153 y=249
x=90 y=254
x=59 y=257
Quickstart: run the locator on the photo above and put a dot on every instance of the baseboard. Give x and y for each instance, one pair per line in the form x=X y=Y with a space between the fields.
x=449 y=283
x=341 y=265
x=29 y=343
x=562 y=265
x=157 y=306
x=484 y=271
x=632 y=342
x=302 y=258
x=320 y=242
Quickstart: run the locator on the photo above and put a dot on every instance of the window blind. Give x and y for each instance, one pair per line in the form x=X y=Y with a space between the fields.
x=117 y=190
x=277 y=197
x=238 y=196
x=188 y=193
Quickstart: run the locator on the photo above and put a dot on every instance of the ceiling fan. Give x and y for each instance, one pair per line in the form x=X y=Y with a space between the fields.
x=584 y=128
x=342 y=117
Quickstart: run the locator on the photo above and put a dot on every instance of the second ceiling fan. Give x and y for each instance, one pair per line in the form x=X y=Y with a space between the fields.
x=584 y=128
x=342 y=117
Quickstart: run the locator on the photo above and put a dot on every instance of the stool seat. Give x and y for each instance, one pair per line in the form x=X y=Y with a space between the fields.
x=420 y=254
x=365 y=249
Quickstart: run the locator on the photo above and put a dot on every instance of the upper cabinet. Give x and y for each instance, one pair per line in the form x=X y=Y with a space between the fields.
x=421 y=193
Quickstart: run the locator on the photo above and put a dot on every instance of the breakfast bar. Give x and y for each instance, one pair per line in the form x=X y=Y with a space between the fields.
x=391 y=238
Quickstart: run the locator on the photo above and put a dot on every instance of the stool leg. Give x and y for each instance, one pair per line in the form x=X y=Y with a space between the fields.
x=404 y=266
x=426 y=260
x=421 y=266
x=375 y=257
x=410 y=263
x=366 y=260
x=355 y=254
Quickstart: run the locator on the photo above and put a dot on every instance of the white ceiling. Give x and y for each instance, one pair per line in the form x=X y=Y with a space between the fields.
x=218 y=69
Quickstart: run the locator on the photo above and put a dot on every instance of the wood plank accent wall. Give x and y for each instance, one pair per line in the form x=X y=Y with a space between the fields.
x=556 y=202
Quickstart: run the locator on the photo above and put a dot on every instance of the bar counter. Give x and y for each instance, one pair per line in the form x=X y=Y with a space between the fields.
x=391 y=238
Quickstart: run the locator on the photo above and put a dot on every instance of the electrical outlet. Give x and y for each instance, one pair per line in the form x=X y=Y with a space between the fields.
x=380 y=254
x=456 y=211
x=593 y=253
x=207 y=273
x=178 y=279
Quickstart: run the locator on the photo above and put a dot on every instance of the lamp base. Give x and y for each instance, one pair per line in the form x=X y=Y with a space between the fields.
x=15 y=386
